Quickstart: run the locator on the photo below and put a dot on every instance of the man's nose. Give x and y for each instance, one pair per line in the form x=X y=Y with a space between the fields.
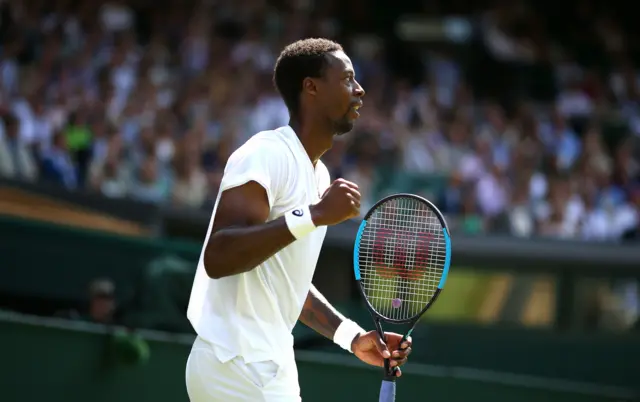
x=358 y=90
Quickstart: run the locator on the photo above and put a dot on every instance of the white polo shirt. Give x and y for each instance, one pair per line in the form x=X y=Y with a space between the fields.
x=252 y=314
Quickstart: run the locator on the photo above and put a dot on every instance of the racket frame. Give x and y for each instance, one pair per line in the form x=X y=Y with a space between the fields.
x=390 y=374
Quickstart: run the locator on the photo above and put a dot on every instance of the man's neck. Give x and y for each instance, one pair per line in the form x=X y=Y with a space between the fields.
x=315 y=140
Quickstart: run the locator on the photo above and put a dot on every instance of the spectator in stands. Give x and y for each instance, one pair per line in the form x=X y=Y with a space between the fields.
x=454 y=147
x=595 y=224
x=102 y=302
x=559 y=215
x=560 y=141
x=165 y=143
x=9 y=67
x=58 y=166
x=492 y=191
x=574 y=102
x=109 y=171
x=191 y=186
x=148 y=185
x=101 y=306
x=417 y=153
x=111 y=183
x=518 y=219
x=451 y=199
x=477 y=159
x=472 y=222
x=100 y=141
x=79 y=138
x=628 y=217
x=16 y=158
x=35 y=130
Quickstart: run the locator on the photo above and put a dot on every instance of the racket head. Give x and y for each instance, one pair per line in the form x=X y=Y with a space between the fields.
x=402 y=255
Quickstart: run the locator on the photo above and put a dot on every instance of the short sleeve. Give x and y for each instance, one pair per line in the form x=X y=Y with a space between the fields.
x=324 y=178
x=259 y=160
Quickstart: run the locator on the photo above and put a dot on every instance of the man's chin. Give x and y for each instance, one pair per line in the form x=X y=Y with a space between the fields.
x=344 y=128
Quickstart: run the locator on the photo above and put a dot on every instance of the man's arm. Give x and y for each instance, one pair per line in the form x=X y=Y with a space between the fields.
x=241 y=240
x=319 y=315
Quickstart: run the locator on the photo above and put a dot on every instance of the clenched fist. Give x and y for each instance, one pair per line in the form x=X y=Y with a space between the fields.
x=340 y=202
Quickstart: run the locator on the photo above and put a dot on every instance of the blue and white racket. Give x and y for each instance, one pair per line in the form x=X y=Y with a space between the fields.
x=401 y=260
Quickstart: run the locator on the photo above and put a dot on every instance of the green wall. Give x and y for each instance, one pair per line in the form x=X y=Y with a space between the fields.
x=50 y=261
x=50 y=361
x=596 y=358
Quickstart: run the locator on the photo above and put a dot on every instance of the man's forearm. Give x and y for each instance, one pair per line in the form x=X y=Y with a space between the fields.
x=319 y=315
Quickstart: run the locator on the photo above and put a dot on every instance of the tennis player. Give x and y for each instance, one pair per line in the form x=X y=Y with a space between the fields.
x=253 y=280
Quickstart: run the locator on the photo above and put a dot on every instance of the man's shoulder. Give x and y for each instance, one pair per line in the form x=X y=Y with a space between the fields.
x=268 y=138
x=265 y=143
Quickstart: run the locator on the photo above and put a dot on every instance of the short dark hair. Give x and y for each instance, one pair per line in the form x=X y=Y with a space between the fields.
x=299 y=60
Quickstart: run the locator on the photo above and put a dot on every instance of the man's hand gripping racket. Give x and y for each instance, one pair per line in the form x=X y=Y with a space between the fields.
x=401 y=260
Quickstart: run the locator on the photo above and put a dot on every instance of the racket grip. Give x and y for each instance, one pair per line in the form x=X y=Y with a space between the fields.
x=388 y=391
x=394 y=370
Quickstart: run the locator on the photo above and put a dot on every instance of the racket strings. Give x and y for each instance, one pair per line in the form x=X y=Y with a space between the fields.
x=402 y=257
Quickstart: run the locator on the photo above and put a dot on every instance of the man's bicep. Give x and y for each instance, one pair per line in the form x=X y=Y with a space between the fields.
x=251 y=184
x=244 y=205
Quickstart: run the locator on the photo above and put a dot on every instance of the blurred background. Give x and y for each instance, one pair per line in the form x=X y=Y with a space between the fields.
x=520 y=120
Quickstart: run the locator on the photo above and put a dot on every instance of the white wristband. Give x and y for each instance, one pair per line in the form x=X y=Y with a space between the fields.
x=299 y=222
x=346 y=333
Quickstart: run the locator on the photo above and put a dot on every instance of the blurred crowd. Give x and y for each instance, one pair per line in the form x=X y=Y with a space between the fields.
x=148 y=103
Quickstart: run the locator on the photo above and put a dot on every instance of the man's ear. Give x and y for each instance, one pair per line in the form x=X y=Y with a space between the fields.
x=309 y=86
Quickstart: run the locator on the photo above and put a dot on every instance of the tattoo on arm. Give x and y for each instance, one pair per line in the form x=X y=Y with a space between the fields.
x=319 y=315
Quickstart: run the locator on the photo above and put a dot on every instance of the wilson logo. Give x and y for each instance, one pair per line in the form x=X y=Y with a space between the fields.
x=401 y=253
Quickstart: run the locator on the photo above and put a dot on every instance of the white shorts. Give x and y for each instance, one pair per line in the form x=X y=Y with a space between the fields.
x=210 y=380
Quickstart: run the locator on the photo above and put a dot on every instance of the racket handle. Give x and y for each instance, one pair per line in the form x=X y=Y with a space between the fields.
x=394 y=370
x=388 y=391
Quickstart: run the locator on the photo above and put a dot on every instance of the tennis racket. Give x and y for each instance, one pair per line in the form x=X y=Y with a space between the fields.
x=401 y=260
